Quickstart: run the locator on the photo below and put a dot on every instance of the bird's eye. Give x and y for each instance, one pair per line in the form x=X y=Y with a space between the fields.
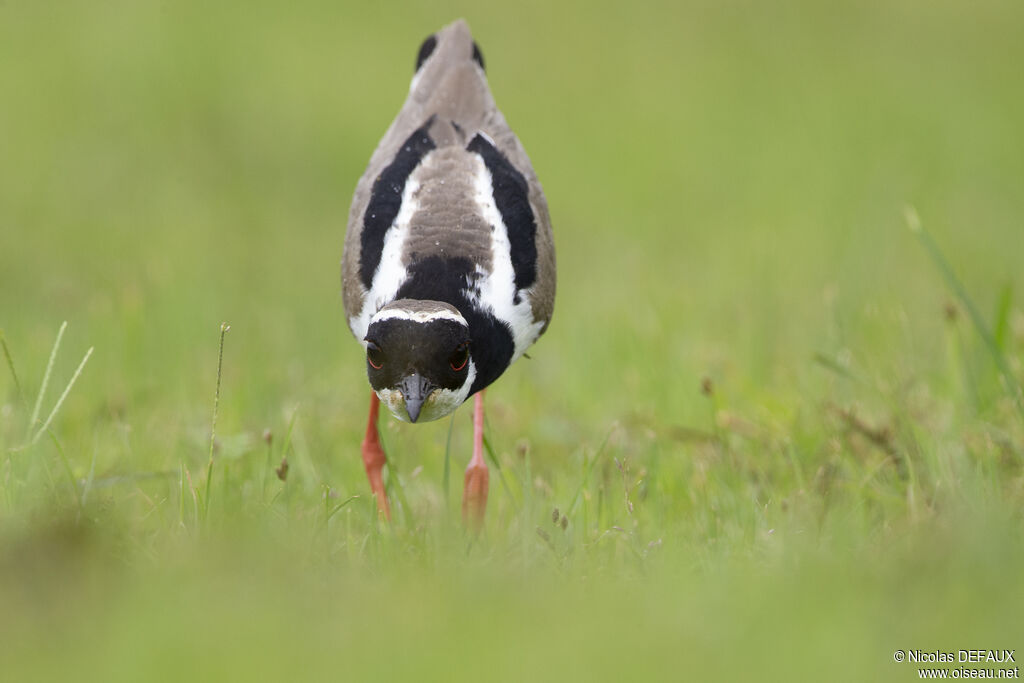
x=459 y=359
x=374 y=356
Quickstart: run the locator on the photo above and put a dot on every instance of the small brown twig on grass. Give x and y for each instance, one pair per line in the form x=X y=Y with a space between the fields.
x=879 y=436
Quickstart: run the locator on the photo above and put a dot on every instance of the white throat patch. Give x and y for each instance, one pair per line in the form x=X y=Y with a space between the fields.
x=441 y=402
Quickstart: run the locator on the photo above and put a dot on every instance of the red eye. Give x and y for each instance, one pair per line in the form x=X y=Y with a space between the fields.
x=458 y=360
x=374 y=356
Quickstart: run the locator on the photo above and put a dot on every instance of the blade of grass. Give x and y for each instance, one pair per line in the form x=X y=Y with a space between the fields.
x=304 y=461
x=953 y=282
x=964 y=361
x=10 y=366
x=224 y=327
x=339 y=506
x=181 y=502
x=195 y=496
x=46 y=377
x=67 y=465
x=393 y=488
x=525 y=539
x=24 y=403
x=396 y=487
x=64 y=395
x=826 y=362
x=288 y=434
x=497 y=465
x=267 y=466
x=445 y=484
x=501 y=473
x=87 y=484
x=1002 y=327
x=586 y=475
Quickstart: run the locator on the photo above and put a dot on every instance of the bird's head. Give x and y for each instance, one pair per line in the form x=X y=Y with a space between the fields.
x=418 y=359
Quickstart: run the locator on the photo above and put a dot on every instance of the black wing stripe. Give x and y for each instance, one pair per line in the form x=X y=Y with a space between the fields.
x=478 y=56
x=512 y=197
x=426 y=49
x=386 y=200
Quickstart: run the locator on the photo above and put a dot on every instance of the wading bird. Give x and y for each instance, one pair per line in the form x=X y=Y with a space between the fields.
x=448 y=271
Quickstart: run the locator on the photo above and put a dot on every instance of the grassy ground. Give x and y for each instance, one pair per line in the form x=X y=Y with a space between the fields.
x=778 y=445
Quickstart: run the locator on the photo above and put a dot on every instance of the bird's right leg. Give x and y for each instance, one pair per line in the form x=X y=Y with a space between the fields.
x=474 y=496
x=374 y=459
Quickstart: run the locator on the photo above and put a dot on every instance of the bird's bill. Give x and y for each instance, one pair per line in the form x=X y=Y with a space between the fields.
x=416 y=389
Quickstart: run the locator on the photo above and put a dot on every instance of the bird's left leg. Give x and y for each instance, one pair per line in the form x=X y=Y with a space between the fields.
x=374 y=458
x=474 y=496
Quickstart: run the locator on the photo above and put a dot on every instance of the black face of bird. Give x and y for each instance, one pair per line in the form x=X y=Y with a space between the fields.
x=419 y=368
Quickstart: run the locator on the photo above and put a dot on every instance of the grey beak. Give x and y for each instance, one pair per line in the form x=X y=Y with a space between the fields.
x=415 y=388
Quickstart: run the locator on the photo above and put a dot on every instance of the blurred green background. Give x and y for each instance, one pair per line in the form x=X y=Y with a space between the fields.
x=727 y=183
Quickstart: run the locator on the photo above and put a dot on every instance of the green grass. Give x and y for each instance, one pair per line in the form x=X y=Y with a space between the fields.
x=783 y=431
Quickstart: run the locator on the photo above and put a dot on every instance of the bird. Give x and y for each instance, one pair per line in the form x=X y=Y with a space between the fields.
x=448 y=268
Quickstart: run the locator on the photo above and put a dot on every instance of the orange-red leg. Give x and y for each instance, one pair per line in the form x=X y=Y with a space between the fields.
x=474 y=496
x=374 y=459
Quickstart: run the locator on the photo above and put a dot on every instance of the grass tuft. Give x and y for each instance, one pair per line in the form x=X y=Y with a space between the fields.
x=1010 y=383
x=46 y=378
x=64 y=394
